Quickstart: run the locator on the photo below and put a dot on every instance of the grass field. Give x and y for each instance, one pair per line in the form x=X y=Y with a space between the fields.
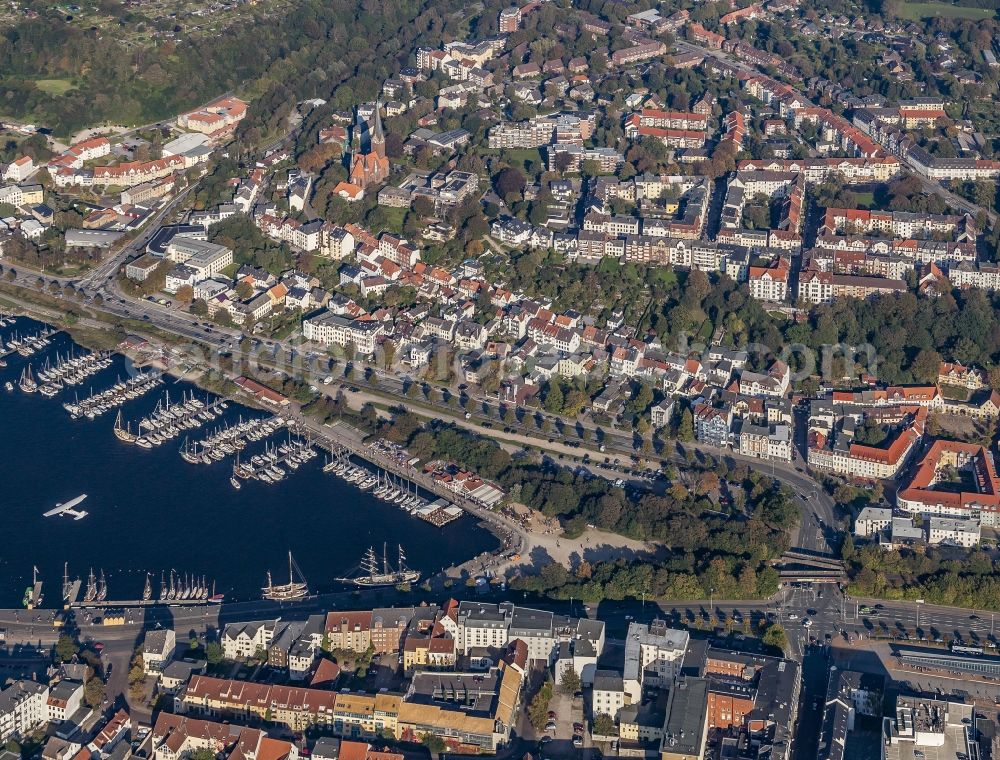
x=54 y=86
x=917 y=11
x=865 y=200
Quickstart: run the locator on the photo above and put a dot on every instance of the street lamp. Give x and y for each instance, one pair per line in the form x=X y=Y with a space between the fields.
x=918 y=602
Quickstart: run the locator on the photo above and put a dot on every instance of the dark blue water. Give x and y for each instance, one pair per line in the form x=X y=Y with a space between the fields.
x=150 y=511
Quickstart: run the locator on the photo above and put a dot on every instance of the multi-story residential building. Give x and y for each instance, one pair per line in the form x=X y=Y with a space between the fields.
x=712 y=425
x=607 y=159
x=636 y=53
x=295 y=707
x=653 y=657
x=769 y=283
x=959 y=376
x=64 y=699
x=244 y=640
x=23 y=709
x=510 y=20
x=954 y=531
x=350 y=631
x=831 y=444
x=922 y=496
x=608 y=695
x=823 y=287
x=157 y=649
x=563 y=128
x=332 y=329
x=178 y=736
x=871 y=521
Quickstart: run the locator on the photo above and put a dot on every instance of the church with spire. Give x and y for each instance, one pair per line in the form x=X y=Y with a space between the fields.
x=368 y=165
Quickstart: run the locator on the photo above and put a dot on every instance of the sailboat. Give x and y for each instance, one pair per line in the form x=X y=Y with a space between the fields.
x=123 y=433
x=147 y=591
x=27 y=382
x=67 y=587
x=102 y=588
x=384 y=575
x=91 y=593
x=286 y=592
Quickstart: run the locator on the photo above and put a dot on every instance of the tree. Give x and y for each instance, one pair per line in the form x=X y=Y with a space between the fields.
x=66 y=649
x=213 y=652
x=509 y=181
x=538 y=709
x=93 y=692
x=185 y=294
x=926 y=365
x=685 y=432
x=434 y=743
x=775 y=636
x=604 y=725
x=847 y=548
x=244 y=290
x=199 y=307
x=570 y=682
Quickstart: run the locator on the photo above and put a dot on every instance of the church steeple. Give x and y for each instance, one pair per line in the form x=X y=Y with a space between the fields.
x=377 y=134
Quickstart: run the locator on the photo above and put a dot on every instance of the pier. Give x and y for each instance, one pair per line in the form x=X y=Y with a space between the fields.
x=167 y=421
x=269 y=467
x=337 y=445
x=26 y=346
x=118 y=394
x=230 y=440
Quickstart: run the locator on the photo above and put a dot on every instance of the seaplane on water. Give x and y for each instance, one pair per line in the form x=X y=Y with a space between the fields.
x=67 y=509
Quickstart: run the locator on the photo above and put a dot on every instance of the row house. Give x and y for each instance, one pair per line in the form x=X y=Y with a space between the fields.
x=636 y=53
x=985 y=276
x=831 y=446
x=818 y=170
x=823 y=287
x=899 y=223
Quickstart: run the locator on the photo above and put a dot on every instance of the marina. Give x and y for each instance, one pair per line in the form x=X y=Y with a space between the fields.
x=274 y=463
x=394 y=489
x=121 y=392
x=229 y=440
x=168 y=420
x=162 y=512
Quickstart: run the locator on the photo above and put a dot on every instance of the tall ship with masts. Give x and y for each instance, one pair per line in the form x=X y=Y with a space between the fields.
x=373 y=573
x=292 y=591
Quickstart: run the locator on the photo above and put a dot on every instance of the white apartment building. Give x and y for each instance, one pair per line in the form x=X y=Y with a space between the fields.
x=956 y=531
x=871 y=521
x=608 y=695
x=769 y=284
x=242 y=640
x=65 y=698
x=23 y=709
x=157 y=648
x=653 y=657
x=334 y=330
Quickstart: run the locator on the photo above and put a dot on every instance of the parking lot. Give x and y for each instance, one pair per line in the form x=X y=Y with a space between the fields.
x=564 y=712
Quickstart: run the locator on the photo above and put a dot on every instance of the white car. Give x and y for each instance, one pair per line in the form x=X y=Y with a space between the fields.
x=807 y=623
x=792 y=616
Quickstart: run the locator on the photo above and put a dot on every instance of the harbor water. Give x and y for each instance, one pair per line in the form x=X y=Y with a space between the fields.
x=149 y=511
